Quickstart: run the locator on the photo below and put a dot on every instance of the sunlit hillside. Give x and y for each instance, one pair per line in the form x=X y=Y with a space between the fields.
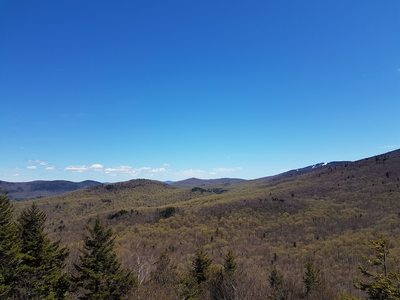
x=327 y=214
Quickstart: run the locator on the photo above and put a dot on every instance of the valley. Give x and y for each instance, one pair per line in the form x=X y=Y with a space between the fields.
x=327 y=214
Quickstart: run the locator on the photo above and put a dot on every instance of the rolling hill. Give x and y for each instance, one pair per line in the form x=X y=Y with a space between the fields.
x=42 y=188
x=196 y=182
x=325 y=213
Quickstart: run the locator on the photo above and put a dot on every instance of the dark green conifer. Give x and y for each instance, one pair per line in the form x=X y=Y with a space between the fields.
x=200 y=266
x=230 y=263
x=276 y=283
x=100 y=275
x=9 y=250
x=312 y=278
x=224 y=282
x=379 y=283
x=43 y=261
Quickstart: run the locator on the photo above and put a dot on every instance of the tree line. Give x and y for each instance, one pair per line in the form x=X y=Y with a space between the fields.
x=32 y=266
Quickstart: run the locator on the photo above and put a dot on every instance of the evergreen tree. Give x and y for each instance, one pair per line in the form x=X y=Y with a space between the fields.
x=100 y=275
x=278 y=291
x=200 y=266
x=9 y=250
x=193 y=284
x=312 y=278
x=224 y=282
x=42 y=275
x=379 y=283
x=230 y=263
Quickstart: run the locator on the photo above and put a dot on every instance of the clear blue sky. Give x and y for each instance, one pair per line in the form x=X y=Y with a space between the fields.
x=113 y=90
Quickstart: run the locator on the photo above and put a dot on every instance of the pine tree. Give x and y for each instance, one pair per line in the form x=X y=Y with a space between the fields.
x=100 y=275
x=379 y=283
x=223 y=283
x=278 y=291
x=312 y=278
x=193 y=284
x=43 y=261
x=9 y=250
x=200 y=266
x=230 y=263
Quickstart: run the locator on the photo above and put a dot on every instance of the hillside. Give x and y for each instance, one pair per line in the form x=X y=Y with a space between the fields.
x=42 y=188
x=327 y=214
x=197 y=182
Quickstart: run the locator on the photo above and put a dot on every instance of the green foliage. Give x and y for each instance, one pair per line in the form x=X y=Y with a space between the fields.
x=100 y=275
x=200 y=266
x=42 y=265
x=9 y=250
x=193 y=285
x=230 y=263
x=223 y=281
x=312 y=278
x=278 y=291
x=167 y=212
x=379 y=283
x=189 y=289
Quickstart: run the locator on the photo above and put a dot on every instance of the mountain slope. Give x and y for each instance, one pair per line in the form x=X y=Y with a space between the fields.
x=196 y=182
x=42 y=188
x=326 y=213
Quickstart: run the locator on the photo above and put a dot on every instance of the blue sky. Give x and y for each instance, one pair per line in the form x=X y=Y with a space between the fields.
x=114 y=90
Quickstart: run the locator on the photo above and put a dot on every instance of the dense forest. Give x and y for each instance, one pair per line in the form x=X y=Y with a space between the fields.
x=328 y=231
x=33 y=267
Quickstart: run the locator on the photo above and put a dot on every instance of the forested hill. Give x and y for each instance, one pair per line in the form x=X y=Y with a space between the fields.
x=42 y=188
x=327 y=215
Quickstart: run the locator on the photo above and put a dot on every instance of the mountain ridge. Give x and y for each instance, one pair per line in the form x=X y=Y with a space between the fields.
x=42 y=188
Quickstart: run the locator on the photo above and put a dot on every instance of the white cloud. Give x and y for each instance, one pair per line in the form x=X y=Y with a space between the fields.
x=97 y=167
x=121 y=170
x=49 y=168
x=118 y=170
x=391 y=147
x=158 y=170
x=79 y=169
x=205 y=174
x=31 y=167
x=129 y=170
x=38 y=162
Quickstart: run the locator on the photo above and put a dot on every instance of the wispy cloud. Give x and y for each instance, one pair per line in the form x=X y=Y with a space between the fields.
x=38 y=162
x=78 y=169
x=213 y=173
x=96 y=167
x=128 y=171
x=117 y=170
x=121 y=170
x=390 y=147
x=158 y=170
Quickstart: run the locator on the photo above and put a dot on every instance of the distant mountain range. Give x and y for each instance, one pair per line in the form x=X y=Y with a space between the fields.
x=327 y=212
x=196 y=182
x=42 y=188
